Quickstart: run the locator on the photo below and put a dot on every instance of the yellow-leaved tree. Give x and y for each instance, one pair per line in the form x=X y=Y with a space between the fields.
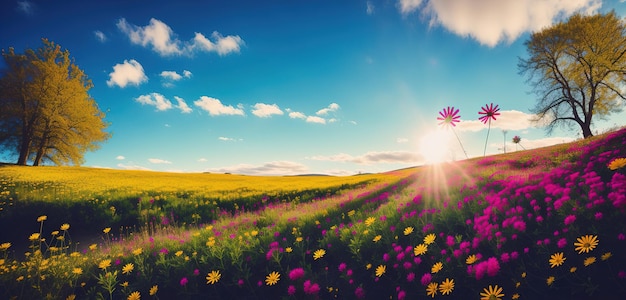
x=577 y=69
x=47 y=112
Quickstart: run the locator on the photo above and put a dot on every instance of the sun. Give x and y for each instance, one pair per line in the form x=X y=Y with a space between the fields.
x=434 y=147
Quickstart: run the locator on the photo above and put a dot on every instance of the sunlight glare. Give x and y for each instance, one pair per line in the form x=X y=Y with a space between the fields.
x=435 y=146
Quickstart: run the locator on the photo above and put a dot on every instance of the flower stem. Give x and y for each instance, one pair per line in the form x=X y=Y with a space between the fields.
x=457 y=138
x=486 y=140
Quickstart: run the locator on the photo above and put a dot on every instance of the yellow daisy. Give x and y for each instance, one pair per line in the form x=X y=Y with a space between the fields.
x=420 y=249
x=380 y=270
x=134 y=296
x=431 y=290
x=492 y=293
x=550 y=280
x=436 y=267
x=65 y=227
x=589 y=261
x=429 y=239
x=137 y=251
x=606 y=256
x=377 y=238
x=557 y=259
x=617 y=163
x=272 y=278
x=446 y=286
x=77 y=271
x=408 y=230
x=470 y=260
x=104 y=264
x=106 y=230
x=42 y=218
x=319 y=253
x=128 y=268
x=586 y=243
x=369 y=221
x=154 y=289
x=213 y=277
x=34 y=237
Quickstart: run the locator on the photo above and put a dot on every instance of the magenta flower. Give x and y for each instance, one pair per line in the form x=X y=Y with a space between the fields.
x=296 y=274
x=291 y=290
x=449 y=116
x=184 y=281
x=359 y=292
x=570 y=219
x=488 y=112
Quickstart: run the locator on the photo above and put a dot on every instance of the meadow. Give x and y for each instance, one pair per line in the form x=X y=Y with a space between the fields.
x=536 y=224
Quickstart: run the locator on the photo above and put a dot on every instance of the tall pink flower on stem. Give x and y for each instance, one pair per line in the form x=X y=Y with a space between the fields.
x=449 y=117
x=488 y=112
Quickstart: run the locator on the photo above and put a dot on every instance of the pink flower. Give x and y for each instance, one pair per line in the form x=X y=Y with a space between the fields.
x=572 y=218
x=311 y=289
x=426 y=279
x=488 y=112
x=401 y=295
x=621 y=237
x=342 y=267
x=493 y=267
x=296 y=274
x=562 y=243
x=449 y=116
x=183 y=281
x=598 y=216
x=410 y=277
x=291 y=290
x=359 y=292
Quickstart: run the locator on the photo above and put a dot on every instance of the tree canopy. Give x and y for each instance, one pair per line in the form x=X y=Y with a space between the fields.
x=577 y=69
x=47 y=112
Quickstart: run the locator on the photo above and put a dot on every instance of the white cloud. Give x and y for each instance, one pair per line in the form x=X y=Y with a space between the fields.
x=220 y=44
x=227 y=139
x=100 y=36
x=296 y=115
x=203 y=159
x=372 y=157
x=507 y=120
x=120 y=157
x=155 y=99
x=370 y=7
x=330 y=108
x=159 y=161
x=25 y=7
x=182 y=105
x=187 y=74
x=157 y=34
x=263 y=110
x=163 y=40
x=409 y=6
x=494 y=21
x=132 y=167
x=402 y=140
x=315 y=119
x=171 y=75
x=215 y=107
x=269 y=168
x=129 y=72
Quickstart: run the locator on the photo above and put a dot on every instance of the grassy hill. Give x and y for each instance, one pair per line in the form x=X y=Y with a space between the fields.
x=537 y=224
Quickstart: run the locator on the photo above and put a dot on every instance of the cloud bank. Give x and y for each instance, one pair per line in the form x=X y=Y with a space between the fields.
x=493 y=21
x=162 y=39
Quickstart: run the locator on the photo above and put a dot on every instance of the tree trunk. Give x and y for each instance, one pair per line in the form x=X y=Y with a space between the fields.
x=586 y=131
x=24 y=150
x=41 y=149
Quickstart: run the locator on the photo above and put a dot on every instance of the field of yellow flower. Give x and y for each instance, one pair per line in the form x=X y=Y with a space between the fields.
x=548 y=223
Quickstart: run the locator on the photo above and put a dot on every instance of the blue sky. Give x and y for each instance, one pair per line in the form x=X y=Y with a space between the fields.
x=293 y=87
